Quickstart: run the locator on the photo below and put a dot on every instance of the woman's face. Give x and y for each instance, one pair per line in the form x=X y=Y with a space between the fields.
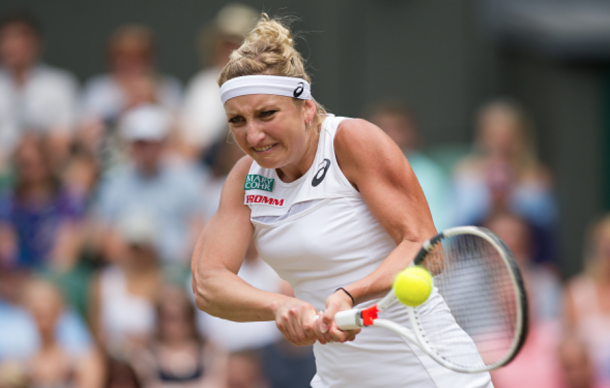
x=499 y=133
x=31 y=165
x=273 y=130
x=174 y=322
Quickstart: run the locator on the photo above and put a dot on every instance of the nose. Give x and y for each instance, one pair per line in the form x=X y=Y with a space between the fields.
x=255 y=134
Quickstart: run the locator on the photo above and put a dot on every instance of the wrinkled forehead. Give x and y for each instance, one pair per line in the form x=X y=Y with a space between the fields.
x=256 y=102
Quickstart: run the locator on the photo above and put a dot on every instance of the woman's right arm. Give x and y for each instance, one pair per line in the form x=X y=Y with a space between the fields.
x=217 y=257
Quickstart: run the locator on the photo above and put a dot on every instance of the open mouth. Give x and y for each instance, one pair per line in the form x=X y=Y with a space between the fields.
x=265 y=148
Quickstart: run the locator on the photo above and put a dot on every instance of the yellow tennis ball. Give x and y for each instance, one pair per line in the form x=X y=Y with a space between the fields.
x=413 y=286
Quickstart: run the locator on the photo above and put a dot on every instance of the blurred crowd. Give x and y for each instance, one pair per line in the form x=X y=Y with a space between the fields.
x=105 y=186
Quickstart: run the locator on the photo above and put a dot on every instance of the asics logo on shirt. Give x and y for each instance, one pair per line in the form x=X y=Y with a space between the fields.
x=319 y=177
x=299 y=90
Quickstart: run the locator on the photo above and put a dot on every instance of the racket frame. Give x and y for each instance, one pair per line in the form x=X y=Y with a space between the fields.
x=355 y=318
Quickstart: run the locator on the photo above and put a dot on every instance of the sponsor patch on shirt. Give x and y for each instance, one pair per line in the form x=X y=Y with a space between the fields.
x=264 y=200
x=258 y=182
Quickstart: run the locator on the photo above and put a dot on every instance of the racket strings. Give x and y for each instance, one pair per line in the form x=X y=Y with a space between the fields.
x=479 y=296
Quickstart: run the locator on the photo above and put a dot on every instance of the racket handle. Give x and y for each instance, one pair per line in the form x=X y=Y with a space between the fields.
x=348 y=319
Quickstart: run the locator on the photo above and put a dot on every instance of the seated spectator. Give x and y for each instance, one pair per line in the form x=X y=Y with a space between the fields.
x=13 y=375
x=54 y=365
x=39 y=216
x=203 y=118
x=132 y=81
x=34 y=97
x=245 y=371
x=587 y=300
x=221 y=158
x=81 y=174
x=576 y=366
x=122 y=308
x=536 y=365
x=120 y=374
x=19 y=339
x=504 y=173
x=395 y=120
x=154 y=184
x=177 y=356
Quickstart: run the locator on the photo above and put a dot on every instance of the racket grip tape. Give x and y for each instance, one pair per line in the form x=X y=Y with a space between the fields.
x=348 y=319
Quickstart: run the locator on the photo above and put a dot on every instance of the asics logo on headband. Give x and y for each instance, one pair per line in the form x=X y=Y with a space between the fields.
x=265 y=84
x=299 y=90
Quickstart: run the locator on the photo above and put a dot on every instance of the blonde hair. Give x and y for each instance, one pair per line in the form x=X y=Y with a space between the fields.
x=522 y=127
x=268 y=49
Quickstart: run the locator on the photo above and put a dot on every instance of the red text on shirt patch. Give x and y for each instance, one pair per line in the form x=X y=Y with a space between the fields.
x=264 y=200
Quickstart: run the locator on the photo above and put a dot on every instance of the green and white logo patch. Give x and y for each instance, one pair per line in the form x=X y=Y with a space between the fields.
x=258 y=182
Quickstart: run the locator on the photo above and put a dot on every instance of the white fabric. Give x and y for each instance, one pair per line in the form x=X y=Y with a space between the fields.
x=122 y=314
x=203 y=117
x=44 y=103
x=334 y=243
x=265 y=84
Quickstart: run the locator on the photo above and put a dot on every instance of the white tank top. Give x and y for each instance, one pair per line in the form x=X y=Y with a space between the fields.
x=318 y=234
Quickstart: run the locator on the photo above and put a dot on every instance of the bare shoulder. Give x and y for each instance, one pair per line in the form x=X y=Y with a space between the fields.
x=239 y=171
x=362 y=148
x=359 y=135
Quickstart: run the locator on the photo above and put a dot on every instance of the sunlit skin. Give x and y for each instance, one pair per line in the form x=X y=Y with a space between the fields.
x=275 y=131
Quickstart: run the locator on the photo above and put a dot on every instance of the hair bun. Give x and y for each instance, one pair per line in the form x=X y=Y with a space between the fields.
x=273 y=32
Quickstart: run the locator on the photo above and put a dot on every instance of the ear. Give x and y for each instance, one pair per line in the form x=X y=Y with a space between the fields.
x=309 y=110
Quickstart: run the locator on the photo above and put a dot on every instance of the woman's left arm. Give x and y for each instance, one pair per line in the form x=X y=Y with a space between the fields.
x=377 y=168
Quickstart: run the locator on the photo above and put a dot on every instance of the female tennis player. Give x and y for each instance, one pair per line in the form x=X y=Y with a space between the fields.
x=332 y=205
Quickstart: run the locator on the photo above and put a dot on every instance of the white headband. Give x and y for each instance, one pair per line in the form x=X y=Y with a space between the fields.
x=265 y=84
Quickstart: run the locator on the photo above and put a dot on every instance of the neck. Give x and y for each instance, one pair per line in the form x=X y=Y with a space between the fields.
x=295 y=171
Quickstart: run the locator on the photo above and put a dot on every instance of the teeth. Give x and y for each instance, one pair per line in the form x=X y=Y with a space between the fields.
x=263 y=148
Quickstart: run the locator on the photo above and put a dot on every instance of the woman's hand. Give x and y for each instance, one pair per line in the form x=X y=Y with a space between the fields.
x=327 y=328
x=297 y=322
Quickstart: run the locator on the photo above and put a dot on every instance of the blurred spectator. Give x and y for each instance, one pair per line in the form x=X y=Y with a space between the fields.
x=34 y=97
x=396 y=120
x=39 y=219
x=120 y=374
x=82 y=173
x=152 y=183
x=18 y=335
x=286 y=365
x=132 y=81
x=588 y=300
x=122 y=309
x=13 y=375
x=536 y=365
x=576 y=366
x=543 y=286
x=221 y=157
x=54 y=365
x=204 y=119
x=177 y=356
x=503 y=173
x=245 y=371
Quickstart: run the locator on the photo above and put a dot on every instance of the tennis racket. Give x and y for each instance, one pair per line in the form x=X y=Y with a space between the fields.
x=476 y=317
